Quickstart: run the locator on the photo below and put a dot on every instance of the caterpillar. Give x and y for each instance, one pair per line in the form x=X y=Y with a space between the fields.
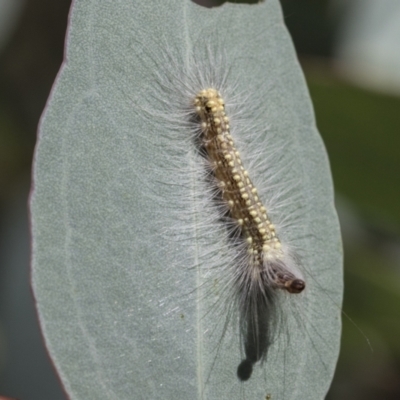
x=264 y=269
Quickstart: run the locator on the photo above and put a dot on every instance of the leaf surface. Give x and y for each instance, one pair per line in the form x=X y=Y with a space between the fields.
x=121 y=316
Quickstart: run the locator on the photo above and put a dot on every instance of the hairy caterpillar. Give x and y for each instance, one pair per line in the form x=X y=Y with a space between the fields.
x=265 y=266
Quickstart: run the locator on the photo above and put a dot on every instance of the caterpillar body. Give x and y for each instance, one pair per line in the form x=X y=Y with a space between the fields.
x=264 y=268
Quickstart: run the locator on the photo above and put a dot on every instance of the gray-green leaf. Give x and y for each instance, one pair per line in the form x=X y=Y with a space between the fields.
x=122 y=316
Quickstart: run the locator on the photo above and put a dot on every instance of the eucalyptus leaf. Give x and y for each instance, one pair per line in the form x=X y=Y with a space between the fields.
x=121 y=316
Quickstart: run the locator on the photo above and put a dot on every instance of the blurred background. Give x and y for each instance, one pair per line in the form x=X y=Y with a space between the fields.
x=350 y=53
